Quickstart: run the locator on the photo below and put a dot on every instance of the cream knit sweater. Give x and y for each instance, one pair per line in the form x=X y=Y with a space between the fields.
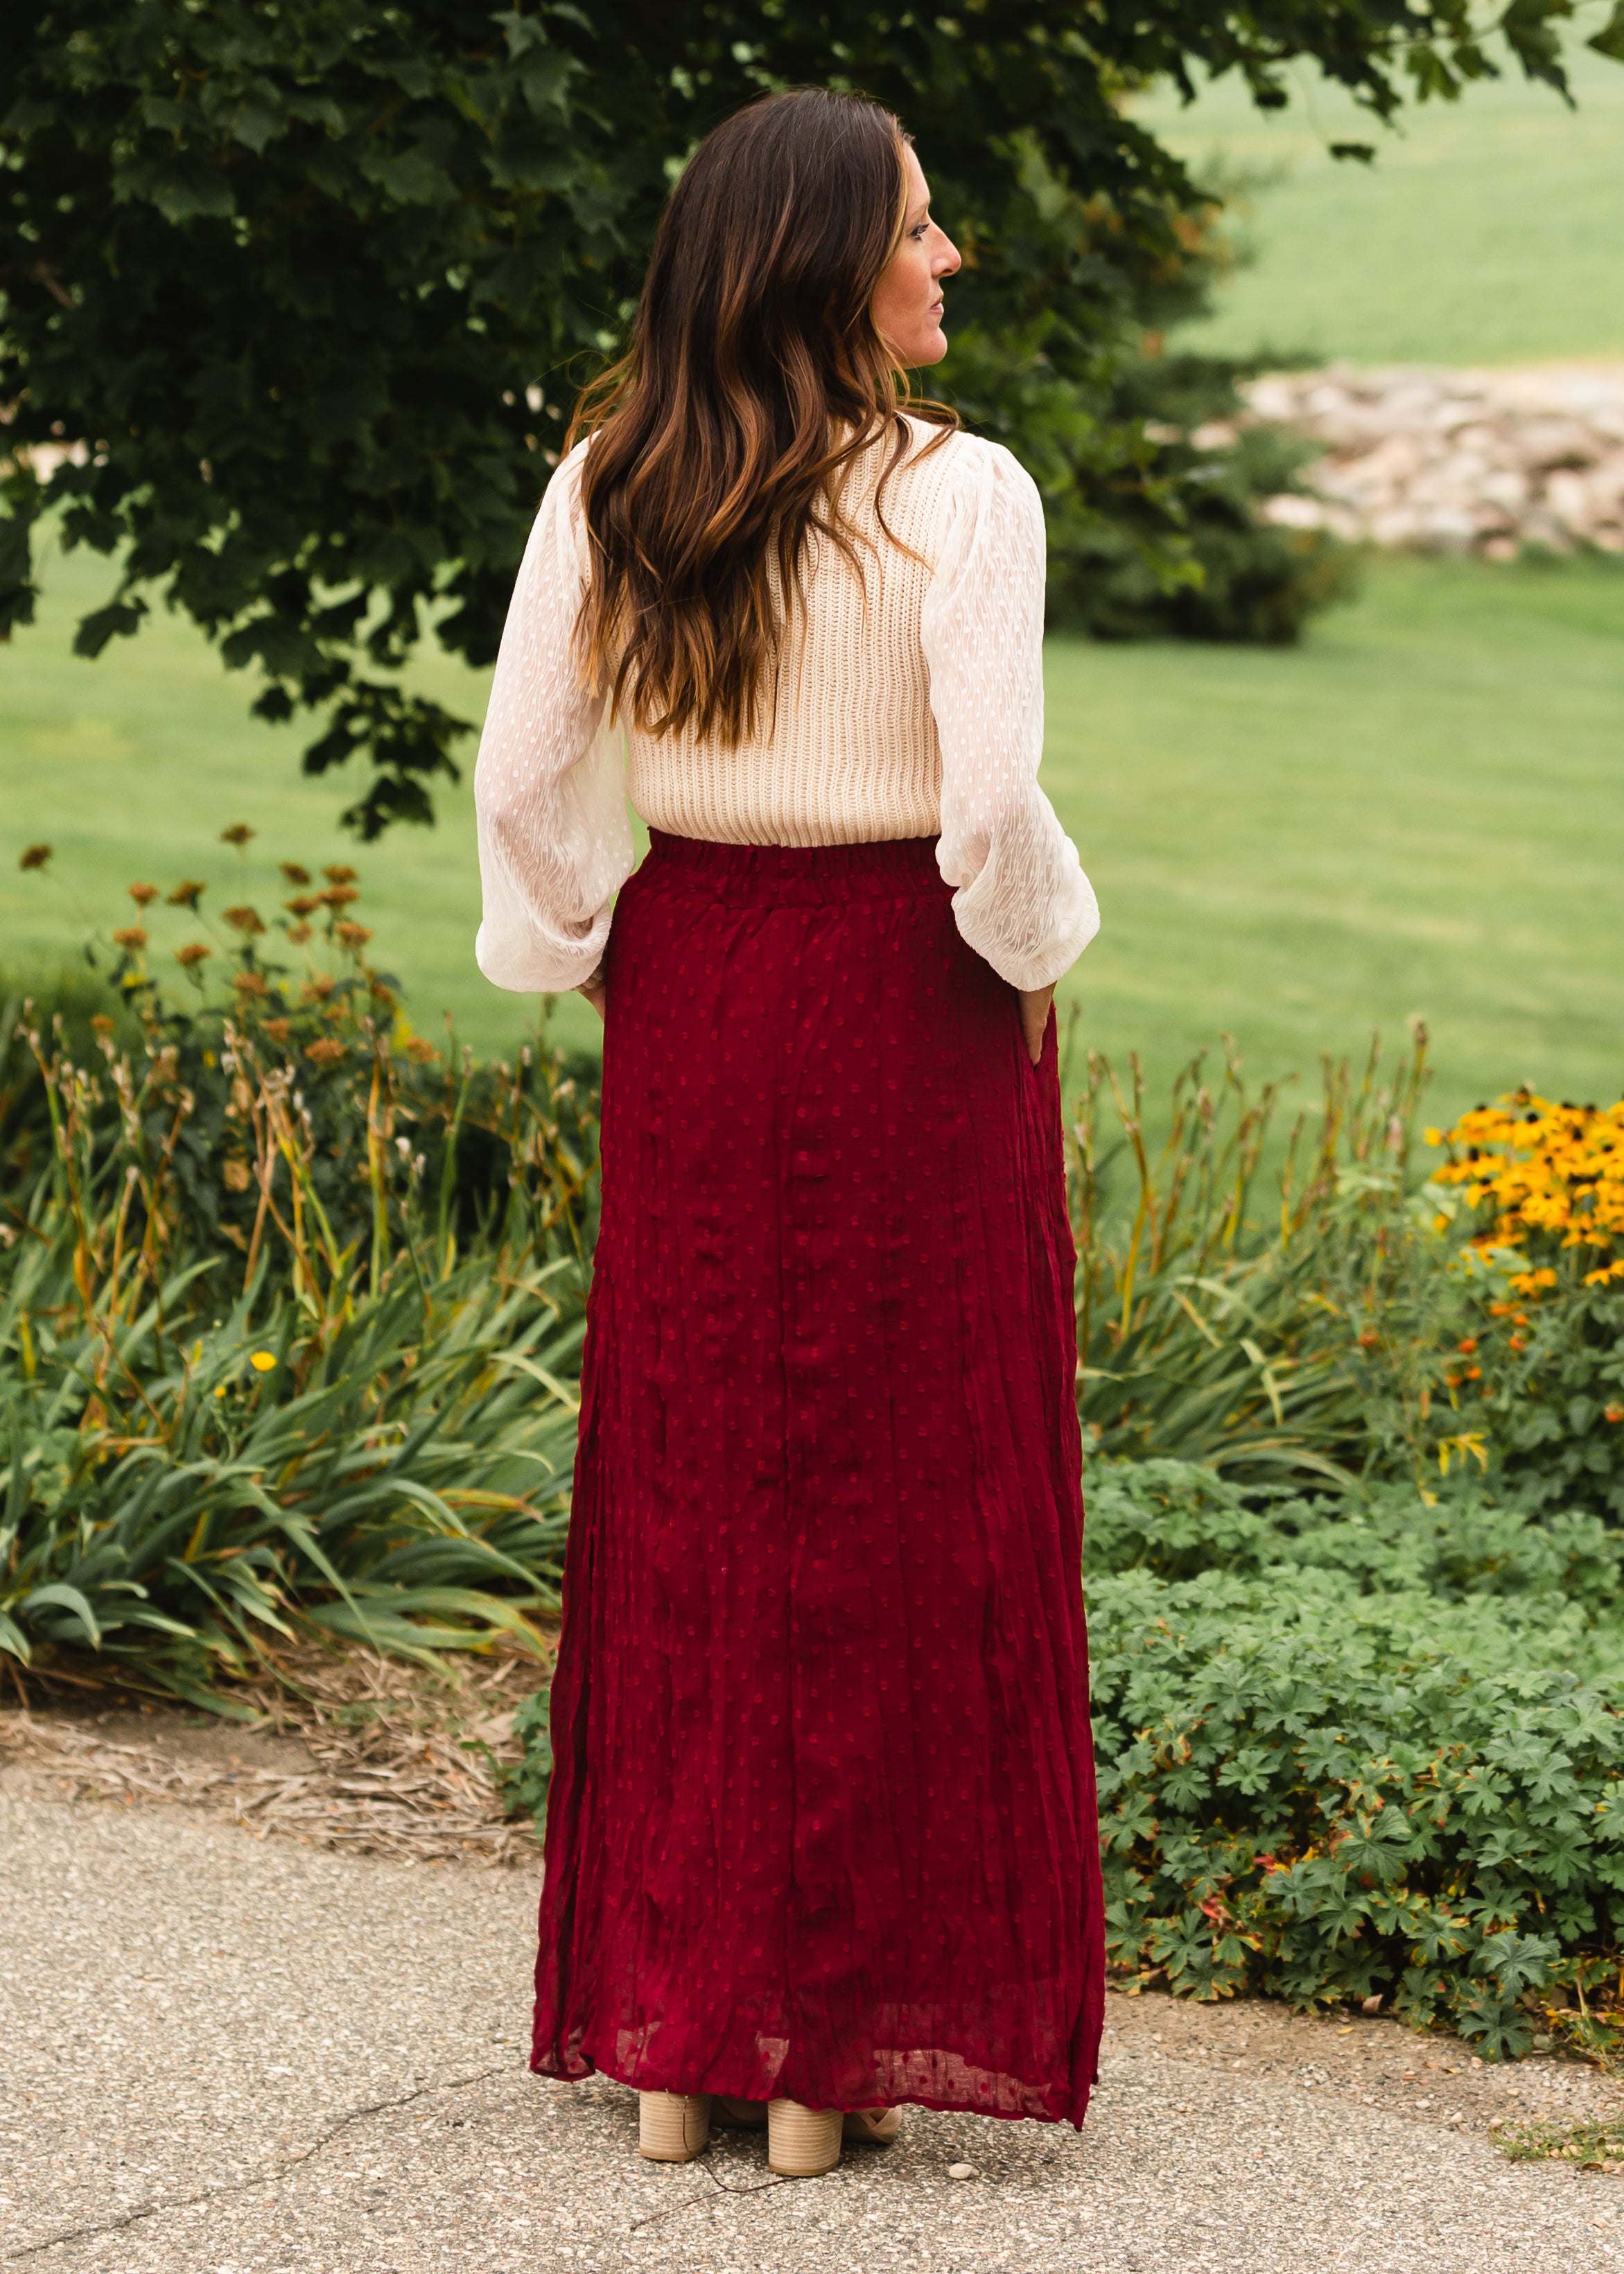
x=908 y=703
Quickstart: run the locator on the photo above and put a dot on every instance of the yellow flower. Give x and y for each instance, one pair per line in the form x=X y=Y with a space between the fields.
x=1552 y=1174
x=262 y=1361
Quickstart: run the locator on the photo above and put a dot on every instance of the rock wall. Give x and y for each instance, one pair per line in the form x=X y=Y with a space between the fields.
x=1483 y=461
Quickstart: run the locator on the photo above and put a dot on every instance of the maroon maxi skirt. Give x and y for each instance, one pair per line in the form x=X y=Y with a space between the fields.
x=823 y=1816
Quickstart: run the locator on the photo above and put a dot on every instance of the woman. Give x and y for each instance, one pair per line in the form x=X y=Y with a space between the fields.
x=822 y=1831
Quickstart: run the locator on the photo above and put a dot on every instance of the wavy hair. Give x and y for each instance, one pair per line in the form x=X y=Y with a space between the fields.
x=755 y=376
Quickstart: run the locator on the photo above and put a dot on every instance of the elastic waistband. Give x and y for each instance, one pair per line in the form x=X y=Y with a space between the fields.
x=897 y=868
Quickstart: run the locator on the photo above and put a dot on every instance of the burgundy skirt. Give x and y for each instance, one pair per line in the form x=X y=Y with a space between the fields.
x=822 y=1820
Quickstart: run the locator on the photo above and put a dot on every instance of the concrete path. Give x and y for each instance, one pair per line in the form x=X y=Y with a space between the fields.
x=226 y=2055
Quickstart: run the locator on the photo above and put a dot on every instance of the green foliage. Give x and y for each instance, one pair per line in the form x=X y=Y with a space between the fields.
x=180 y=1496
x=1596 y=2147
x=289 y=1316
x=309 y=289
x=209 y=1086
x=1553 y=1409
x=1361 y=1751
x=523 y=1784
x=1303 y=1330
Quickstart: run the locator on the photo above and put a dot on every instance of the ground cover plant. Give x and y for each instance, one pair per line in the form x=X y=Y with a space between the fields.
x=1368 y=1751
x=1593 y=2147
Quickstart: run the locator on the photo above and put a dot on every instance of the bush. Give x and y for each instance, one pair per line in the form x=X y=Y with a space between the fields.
x=1304 y=1331
x=1379 y=1313
x=1542 y=1372
x=289 y=1306
x=1349 y=1753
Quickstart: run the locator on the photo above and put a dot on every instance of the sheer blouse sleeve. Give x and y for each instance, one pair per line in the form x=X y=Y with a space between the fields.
x=549 y=787
x=1022 y=900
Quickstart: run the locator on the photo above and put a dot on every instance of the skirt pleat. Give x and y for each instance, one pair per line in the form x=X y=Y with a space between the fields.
x=822 y=1818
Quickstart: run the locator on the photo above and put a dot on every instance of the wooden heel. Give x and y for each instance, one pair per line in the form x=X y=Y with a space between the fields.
x=802 y=2143
x=672 y=2127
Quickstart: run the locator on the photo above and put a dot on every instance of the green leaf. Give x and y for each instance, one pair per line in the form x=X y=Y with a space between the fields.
x=1610 y=40
x=56 y=1592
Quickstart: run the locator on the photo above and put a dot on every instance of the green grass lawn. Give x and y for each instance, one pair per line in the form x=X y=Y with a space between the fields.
x=1490 y=231
x=1420 y=810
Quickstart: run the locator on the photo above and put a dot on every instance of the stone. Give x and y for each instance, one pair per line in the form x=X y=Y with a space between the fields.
x=1483 y=461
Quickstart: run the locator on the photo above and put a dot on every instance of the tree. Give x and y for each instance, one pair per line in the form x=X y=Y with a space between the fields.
x=304 y=287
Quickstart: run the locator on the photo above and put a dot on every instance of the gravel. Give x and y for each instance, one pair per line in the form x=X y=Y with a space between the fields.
x=228 y=2055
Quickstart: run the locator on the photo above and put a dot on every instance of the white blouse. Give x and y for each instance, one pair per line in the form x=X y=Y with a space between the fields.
x=907 y=702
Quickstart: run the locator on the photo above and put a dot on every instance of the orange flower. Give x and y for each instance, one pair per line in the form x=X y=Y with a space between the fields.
x=34 y=857
x=238 y=834
x=131 y=939
x=352 y=935
x=339 y=874
x=247 y=921
x=187 y=893
x=324 y=1052
x=143 y=895
x=292 y=871
x=193 y=953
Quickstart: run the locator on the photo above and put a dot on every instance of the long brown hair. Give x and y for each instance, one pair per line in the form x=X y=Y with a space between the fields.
x=755 y=374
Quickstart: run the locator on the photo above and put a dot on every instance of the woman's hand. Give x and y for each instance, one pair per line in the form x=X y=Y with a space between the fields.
x=596 y=993
x=1035 y=1010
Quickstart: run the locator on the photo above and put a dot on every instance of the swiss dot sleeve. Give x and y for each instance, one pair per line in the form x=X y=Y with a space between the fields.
x=1022 y=901
x=549 y=787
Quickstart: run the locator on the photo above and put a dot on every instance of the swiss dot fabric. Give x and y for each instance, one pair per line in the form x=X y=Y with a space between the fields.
x=908 y=703
x=822 y=1820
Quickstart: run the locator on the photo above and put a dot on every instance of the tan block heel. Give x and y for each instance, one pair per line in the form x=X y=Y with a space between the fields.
x=802 y=2143
x=672 y=2127
x=878 y=2126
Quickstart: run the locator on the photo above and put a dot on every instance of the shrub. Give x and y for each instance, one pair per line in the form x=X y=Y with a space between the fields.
x=289 y=1310
x=1361 y=1752
x=1305 y=1331
x=277 y=1038
x=1541 y=1371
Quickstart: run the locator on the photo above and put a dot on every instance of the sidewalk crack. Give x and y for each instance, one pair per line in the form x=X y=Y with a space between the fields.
x=262 y=2178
